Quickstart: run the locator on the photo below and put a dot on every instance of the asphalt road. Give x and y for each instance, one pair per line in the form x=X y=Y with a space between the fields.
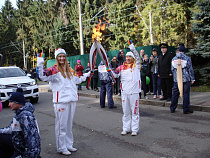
x=97 y=131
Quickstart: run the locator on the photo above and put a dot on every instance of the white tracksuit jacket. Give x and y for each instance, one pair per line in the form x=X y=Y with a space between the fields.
x=64 y=99
x=130 y=77
x=130 y=89
x=64 y=89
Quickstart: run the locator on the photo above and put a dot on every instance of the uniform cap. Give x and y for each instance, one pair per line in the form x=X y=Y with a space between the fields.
x=17 y=97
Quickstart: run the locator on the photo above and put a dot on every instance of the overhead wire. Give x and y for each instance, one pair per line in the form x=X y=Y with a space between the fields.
x=97 y=16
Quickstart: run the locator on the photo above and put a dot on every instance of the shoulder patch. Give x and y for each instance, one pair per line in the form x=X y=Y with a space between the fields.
x=16 y=125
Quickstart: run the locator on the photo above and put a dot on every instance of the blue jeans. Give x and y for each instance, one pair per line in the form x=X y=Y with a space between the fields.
x=186 y=96
x=156 y=84
x=106 y=86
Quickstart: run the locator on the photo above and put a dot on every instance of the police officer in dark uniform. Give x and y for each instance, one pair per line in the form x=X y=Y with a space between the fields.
x=164 y=71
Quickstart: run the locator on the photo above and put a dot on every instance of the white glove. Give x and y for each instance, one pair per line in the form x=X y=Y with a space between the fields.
x=132 y=47
x=40 y=61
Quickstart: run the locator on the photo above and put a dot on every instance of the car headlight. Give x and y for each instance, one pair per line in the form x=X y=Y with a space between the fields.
x=3 y=87
x=32 y=83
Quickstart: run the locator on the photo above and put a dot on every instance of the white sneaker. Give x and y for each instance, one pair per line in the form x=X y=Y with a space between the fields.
x=134 y=133
x=124 y=133
x=155 y=96
x=72 y=149
x=65 y=153
x=146 y=97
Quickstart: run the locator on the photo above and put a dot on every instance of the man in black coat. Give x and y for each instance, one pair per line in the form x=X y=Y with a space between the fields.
x=121 y=60
x=114 y=66
x=164 y=71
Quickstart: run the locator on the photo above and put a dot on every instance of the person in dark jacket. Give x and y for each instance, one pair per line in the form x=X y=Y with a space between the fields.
x=142 y=55
x=121 y=57
x=114 y=64
x=154 y=70
x=121 y=60
x=24 y=69
x=31 y=73
x=145 y=71
x=21 y=138
x=95 y=79
x=164 y=71
x=87 y=69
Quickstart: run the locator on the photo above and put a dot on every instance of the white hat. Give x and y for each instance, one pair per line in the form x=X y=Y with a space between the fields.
x=59 y=51
x=130 y=54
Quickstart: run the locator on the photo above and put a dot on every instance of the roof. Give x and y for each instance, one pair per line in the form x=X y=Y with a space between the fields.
x=6 y=67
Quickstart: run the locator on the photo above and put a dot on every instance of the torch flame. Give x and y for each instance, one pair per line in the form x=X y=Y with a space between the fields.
x=97 y=30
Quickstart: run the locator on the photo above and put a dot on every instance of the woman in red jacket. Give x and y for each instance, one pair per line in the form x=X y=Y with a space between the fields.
x=79 y=68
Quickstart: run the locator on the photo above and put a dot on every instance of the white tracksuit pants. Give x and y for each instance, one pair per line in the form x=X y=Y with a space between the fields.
x=64 y=114
x=131 y=116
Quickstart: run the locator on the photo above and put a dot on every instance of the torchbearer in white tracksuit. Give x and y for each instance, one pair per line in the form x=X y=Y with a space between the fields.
x=63 y=85
x=130 y=89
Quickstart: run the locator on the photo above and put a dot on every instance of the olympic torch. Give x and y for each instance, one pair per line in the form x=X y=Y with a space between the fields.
x=97 y=48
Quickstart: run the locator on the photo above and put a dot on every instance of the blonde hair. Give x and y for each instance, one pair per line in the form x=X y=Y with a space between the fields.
x=64 y=69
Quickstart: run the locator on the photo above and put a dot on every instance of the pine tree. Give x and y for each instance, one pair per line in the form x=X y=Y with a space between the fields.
x=7 y=32
x=201 y=54
x=202 y=29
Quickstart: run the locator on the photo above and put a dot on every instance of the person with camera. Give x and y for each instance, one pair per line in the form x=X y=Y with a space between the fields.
x=154 y=70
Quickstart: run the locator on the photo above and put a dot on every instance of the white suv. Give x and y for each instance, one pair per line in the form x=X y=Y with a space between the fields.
x=13 y=77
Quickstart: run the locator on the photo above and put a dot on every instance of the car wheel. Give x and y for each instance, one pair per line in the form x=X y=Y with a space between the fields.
x=34 y=100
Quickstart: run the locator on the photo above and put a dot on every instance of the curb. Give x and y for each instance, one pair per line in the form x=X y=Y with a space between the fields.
x=44 y=90
x=142 y=101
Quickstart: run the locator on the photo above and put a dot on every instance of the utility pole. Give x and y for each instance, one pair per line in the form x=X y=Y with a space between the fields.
x=49 y=52
x=80 y=29
x=24 y=56
x=150 y=31
x=33 y=55
x=151 y=34
x=142 y=17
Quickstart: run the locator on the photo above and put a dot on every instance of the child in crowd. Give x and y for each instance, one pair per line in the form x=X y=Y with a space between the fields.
x=79 y=69
x=145 y=70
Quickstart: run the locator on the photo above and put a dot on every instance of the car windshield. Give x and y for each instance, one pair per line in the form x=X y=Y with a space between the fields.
x=11 y=72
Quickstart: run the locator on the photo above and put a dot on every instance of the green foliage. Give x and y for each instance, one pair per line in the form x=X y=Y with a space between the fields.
x=170 y=20
x=201 y=27
x=201 y=53
x=121 y=17
x=7 y=32
x=200 y=89
x=47 y=25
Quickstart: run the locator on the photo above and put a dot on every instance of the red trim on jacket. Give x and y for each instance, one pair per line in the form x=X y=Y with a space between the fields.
x=136 y=107
x=57 y=95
